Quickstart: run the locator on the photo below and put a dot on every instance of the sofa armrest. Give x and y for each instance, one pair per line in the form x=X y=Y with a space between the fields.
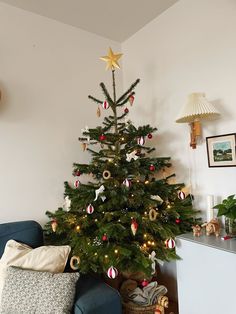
x=95 y=296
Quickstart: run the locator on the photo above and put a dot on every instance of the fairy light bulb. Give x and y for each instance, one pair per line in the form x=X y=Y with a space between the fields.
x=78 y=228
x=145 y=235
x=145 y=245
x=106 y=256
x=153 y=243
x=116 y=251
x=149 y=242
x=95 y=253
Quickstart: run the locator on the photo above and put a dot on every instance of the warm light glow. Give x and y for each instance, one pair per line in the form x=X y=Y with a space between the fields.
x=106 y=256
x=116 y=251
x=137 y=181
x=95 y=253
x=110 y=160
x=122 y=139
x=146 y=182
x=153 y=243
x=168 y=206
x=149 y=243
x=145 y=245
x=145 y=213
x=77 y=228
x=95 y=220
x=145 y=235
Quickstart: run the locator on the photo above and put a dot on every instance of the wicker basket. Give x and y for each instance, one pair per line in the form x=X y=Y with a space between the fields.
x=132 y=308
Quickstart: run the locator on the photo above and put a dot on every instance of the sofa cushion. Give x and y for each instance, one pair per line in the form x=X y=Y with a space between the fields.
x=27 y=292
x=44 y=258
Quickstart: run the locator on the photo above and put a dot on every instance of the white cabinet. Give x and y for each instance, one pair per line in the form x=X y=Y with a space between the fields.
x=206 y=275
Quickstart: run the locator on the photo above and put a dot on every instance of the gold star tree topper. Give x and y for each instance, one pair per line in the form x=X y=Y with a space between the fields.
x=112 y=60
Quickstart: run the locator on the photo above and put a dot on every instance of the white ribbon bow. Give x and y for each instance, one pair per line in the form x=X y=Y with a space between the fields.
x=131 y=156
x=67 y=203
x=157 y=198
x=155 y=260
x=86 y=130
x=98 y=191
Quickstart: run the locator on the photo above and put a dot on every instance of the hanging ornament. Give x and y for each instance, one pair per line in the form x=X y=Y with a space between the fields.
x=106 y=174
x=126 y=110
x=134 y=226
x=177 y=220
x=105 y=105
x=170 y=243
x=152 y=214
x=104 y=237
x=98 y=192
x=131 y=99
x=127 y=183
x=67 y=203
x=152 y=168
x=98 y=112
x=96 y=242
x=144 y=283
x=84 y=146
x=77 y=173
x=76 y=184
x=112 y=60
x=90 y=209
x=157 y=198
x=181 y=195
x=131 y=156
x=102 y=137
x=54 y=225
x=149 y=136
x=112 y=272
x=155 y=261
x=141 y=140
x=74 y=262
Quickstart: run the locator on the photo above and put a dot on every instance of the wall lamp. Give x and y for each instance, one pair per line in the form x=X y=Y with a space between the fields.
x=196 y=109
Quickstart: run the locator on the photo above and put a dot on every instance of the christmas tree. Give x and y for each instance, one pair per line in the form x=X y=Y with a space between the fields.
x=127 y=217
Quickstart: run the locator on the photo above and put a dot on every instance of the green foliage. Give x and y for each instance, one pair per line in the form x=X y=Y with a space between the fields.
x=227 y=207
x=104 y=238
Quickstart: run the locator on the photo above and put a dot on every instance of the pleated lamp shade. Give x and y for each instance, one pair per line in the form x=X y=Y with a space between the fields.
x=197 y=108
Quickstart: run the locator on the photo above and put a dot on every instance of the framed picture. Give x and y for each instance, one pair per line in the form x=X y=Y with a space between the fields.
x=221 y=150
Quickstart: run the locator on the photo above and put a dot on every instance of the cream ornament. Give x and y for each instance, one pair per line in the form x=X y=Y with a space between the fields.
x=98 y=192
x=141 y=140
x=54 y=225
x=74 y=262
x=131 y=156
x=90 y=209
x=67 y=203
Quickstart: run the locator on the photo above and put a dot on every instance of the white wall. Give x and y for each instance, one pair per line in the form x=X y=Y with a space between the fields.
x=47 y=70
x=191 y=47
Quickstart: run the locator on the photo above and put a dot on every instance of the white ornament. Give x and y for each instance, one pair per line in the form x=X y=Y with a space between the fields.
x=67 y=203
x=105 y=105
x=86 y=130
x=99 y=191
x=131 y=156
x=127 y=183
x=76 y=184
x=141 y=140
x=90 y=209
x=112 y=272
x=155 y=260
x=170 y=243
x=157 y=198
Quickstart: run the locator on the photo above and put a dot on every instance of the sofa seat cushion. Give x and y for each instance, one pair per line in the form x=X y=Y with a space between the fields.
x=27 y=292
x=94 y=296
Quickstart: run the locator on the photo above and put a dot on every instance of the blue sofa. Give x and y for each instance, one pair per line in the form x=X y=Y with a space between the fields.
x=93 y=296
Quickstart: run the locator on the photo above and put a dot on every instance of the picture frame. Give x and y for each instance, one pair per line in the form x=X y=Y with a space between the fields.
x=221 y=150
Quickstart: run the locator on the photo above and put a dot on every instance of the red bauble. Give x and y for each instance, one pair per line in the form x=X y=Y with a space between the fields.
x=104 y=237
x=131 y=99
x=77 y=174
x=177 y=220
x=144 y=283
x=126 y=110
x=102 y=137
x=151 y=167
x=149 y=136
x=134 y=226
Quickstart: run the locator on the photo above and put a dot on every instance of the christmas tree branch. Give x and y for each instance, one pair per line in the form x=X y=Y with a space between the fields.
x=107 y=95
x=128 y=91
x=95 y=99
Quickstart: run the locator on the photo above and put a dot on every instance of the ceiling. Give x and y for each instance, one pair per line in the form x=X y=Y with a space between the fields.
x=108 y=18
